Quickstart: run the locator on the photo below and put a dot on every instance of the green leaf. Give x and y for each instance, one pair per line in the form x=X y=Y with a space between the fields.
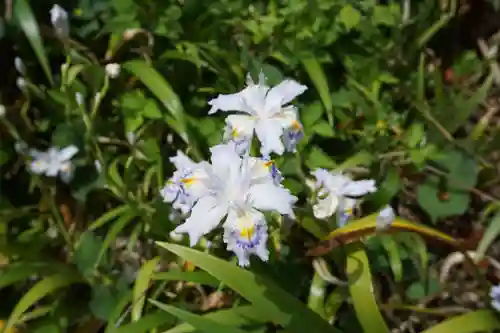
x=26 y=19
x=463 y=108
x=198 y=277
x=462 y=169
x=414 y=135
x=311 y=114
x=491 y=233
x=476 y=321
x=87 y=252
x=110 y=215
x=417 y=246
x=316 y=300
x=392 y=249
x=141 y=286
x=349 y=16
x=388 y=188
x=272 y=73
x=105 y=299
x=21 y=271
x=317 y=158
x=361 y=291
x=151 y=110
x=113 y=232
x=422 y=288
x=238 y=316
x=272 y=302
x=69 y=133
x=37 y=292
x=317 y=76
x=363 y=158
x=428 y=197
x=323 y=129
x=147 y=323
x=163 y=91
x=383 y=15
x=202 y=323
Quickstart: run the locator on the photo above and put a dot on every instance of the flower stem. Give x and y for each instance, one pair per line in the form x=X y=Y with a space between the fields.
x=59 y=220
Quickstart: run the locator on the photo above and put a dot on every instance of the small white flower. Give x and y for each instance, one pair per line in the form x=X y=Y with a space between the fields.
x=334 y=190
x=385 y=218
x=21 y=83
x=52 y=232
x=495 y=297
x=79 y=98
x=20 y=147
x=170 y=138
x=245 y=233
x=265 y=111
x=112 y=70
x=59 y=20
x=3 y=111
x=236 y=188
x=98 y=166
x=53 y=162
x=181 y=188
x=19 y=65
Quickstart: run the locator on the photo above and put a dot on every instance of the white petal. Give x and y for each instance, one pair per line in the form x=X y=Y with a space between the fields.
x=205 y=216
x=36 y=154
x=269 y=132
x=284 y=93
x=53 y=168
x=269 y=197
x=38 y=166
x=181 y=161
x=225 y=160
x=360 y=187
x=348 y=204
x=242 y=125
x=261 y=169
x=67 y=153
x=326 y=207
x=67 y=172
x=245 y=233
x=230 y=102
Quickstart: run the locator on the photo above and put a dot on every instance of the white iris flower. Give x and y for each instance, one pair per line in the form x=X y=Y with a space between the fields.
x=265 y=111
x=183 y=188
x=334 y=190
x=53 y=162
x=236 y=190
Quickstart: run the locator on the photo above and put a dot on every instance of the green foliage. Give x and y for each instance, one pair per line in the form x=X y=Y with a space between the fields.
x=129 y=89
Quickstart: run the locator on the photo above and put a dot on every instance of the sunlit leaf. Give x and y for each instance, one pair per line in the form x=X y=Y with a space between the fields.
x=202 y=323
x=141 y=286
x=37 y=292
x=476 y=321
x=162 y=90
x=271 y=301
x=355 y=230
x=238 y=316
x=361 y=291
